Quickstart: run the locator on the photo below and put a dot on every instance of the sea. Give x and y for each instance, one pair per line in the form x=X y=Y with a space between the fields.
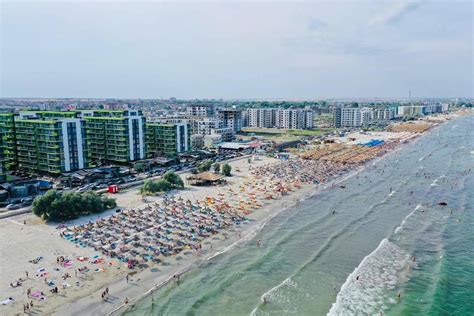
x=389 y=248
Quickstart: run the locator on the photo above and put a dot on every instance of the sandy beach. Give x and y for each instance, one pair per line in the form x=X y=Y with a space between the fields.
x=36 y=248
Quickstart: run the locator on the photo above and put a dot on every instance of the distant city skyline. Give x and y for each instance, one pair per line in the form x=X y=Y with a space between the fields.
x=236 y=50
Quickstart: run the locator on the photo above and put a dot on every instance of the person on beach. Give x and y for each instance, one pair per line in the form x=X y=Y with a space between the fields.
x=126 y=300
x=127 y=278
x=26 y=272
x=258 y=242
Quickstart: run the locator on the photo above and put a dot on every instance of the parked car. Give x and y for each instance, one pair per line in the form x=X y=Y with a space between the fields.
x=13 y=206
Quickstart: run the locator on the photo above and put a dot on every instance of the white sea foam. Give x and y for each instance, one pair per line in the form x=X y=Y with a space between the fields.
x=399 y=228
x=378 y=272
x=275 y=294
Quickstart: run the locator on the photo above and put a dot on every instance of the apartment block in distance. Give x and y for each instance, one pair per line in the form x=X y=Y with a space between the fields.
x=294 y=119
x=347 y=117
x=201 y=110
x=262 y=118
x=231 y=118
x=167 y=140
x=49 y=142
x=114 y=136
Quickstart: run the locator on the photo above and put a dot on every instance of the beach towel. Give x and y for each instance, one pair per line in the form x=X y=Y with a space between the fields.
x=36 y=293
x=7 y=301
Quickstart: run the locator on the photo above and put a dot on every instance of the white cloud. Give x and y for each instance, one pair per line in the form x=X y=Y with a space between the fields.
x=394 y=12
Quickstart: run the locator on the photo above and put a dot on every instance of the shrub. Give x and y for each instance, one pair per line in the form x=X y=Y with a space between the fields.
x=154 y=186
x=226 y=170
x=204 y=166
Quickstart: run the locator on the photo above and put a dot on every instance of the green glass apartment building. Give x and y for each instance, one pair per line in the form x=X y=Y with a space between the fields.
x=114 y=136
x=49 y=142
x=3 y=171
x=8 y=157
x=8 y=140
x=167 y=139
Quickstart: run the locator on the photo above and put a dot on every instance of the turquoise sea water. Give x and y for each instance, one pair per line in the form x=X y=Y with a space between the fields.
x=389 y=236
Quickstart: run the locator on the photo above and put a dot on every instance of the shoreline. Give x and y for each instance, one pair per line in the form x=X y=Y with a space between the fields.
x=309 y=191
x=86 y=298
x=307 y=195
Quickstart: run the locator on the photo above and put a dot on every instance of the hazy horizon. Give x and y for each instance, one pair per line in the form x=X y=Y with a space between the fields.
x=237 y=50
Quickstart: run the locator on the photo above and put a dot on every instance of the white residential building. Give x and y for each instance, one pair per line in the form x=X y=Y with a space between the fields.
x=201 y=110
x=262 y=118
x=411 y=110
x=294 y=119
x=347 y=117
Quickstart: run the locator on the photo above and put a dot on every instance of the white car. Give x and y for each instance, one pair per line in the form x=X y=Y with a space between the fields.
x=13 y=206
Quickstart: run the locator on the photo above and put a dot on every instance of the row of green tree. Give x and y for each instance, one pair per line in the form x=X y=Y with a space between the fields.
x=206 y=166
x=169 y=181
x=56 y=206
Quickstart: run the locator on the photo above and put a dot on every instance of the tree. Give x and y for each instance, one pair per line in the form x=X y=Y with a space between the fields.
x=41 y=203
x=217 y=168
x=56 y=206
x=162 y=185
x=153 y=186
x=174 y=179
x=139 y=167
x=226 y=169
x=204 y=166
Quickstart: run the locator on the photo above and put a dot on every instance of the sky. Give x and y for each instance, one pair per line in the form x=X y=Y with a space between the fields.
x=236 y=49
